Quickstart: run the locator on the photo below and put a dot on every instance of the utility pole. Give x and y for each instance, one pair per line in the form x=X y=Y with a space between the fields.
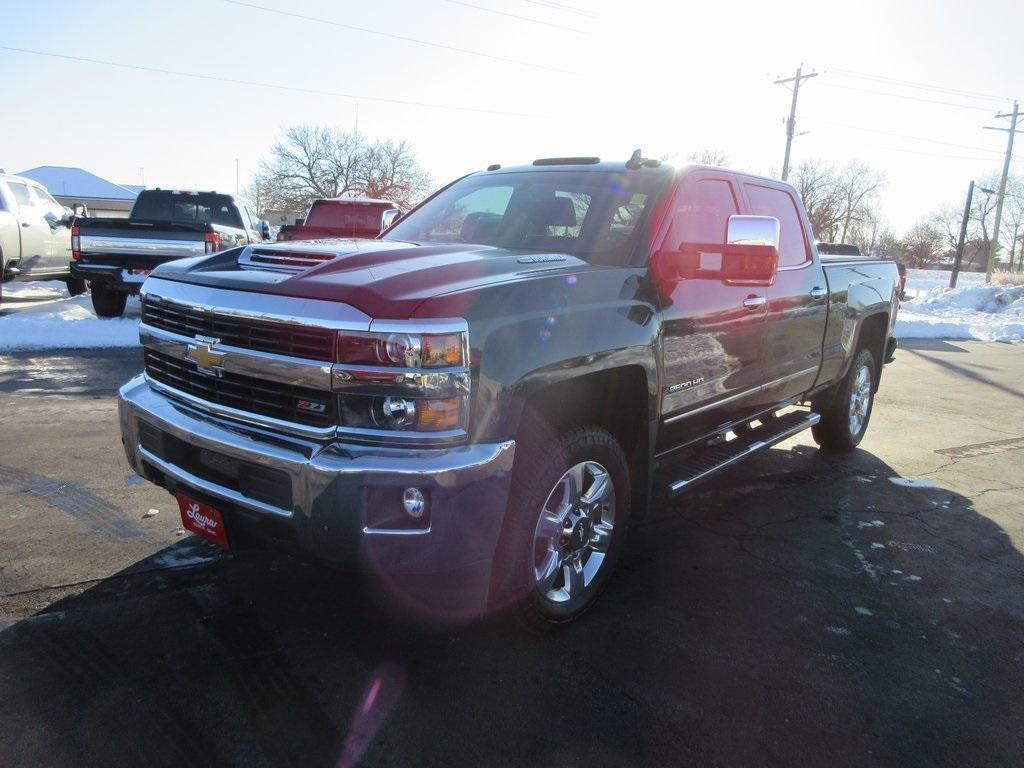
x=1011 y=132
x=791 y=122
x=963 y=236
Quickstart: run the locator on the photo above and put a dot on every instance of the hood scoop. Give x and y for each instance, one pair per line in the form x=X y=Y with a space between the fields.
x=275 y=260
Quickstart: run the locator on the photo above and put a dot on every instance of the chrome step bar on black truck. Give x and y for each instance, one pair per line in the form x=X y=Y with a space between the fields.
x=712 y=460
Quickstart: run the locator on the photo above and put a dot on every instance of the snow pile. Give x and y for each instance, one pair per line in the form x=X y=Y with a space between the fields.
x=972 y=310
x=923 y=281
x=40 y=290
x=67 y=324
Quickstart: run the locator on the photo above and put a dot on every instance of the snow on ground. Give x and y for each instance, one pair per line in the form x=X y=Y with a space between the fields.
x=972 y=310
x=65 y=324
x=37 y=290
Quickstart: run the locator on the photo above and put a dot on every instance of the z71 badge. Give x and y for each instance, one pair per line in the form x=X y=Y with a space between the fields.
x=686 y=384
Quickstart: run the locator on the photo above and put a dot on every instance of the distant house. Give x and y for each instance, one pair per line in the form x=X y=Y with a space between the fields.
x=277 y=217
x=75 y=185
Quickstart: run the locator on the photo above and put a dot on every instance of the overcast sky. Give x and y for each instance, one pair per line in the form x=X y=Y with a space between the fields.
x=511 y=80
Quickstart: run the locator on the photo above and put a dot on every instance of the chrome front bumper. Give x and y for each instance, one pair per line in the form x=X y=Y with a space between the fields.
x=333 y=486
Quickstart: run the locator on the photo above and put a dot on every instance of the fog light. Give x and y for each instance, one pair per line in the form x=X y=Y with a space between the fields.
x=414 y=503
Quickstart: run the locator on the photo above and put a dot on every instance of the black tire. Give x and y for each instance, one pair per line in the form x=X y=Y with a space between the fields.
x=76 y=286
x=108 y=302
x=838 y=430
x=539 y=475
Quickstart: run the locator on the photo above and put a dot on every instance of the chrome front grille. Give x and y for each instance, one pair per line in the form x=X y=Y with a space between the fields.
x=286 y=402
x=263 y=336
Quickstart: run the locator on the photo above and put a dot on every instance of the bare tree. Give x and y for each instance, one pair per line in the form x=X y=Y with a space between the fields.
x=816 y=184
x=310 y=162
x=922 y=246
x=715 y=156
x=857 y=186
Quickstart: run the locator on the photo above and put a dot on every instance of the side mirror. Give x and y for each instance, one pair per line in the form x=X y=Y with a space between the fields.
x=750 y=257
x=56 y=221
x=264 y=229
x=389 y=218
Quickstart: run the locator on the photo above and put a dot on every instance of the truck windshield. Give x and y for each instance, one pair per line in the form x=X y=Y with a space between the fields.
x=600 y=216
x=354 y=215
x=197 y=207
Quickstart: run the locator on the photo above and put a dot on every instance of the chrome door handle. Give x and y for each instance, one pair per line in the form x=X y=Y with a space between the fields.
x=753 y=302
x=817 y=292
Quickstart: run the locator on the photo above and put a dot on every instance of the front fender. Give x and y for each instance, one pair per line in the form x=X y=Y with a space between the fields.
x=529 y=334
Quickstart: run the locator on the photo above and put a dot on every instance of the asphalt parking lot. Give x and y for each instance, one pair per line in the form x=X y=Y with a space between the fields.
x=805 y=609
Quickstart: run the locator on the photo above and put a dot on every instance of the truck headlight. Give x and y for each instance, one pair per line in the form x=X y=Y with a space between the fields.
x=405 y=381
x=406 y=350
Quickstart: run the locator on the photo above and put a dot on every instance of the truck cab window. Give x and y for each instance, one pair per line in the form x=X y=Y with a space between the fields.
x=766 y=201
x=593 y=215
x=21 y=194
x=702 y=212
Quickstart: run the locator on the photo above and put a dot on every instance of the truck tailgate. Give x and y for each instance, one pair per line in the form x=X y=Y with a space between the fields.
x=163 y=247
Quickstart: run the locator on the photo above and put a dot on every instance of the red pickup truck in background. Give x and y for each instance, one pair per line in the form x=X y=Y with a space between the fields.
x=342 y=217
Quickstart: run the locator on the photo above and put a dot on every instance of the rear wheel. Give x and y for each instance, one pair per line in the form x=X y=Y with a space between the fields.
x=76 y=286
x=845 y=420
x=565 y=526
x=108 y=302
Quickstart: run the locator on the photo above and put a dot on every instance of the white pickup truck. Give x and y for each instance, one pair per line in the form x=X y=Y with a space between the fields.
x=35 y=234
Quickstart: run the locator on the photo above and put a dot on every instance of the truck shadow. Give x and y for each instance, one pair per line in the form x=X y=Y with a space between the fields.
x=802 y=608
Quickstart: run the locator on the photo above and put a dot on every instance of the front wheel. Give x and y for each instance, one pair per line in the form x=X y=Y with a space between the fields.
x=565 y=526
x=845 y=420
x=108 y=302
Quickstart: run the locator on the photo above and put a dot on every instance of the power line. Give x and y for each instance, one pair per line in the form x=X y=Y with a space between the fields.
x=256 y=84
x=562 y=7
x=791 y=122
x=515 y=16
x=403 y=38
x=918 y=85
x=902 y=150
x=906 y=97
x=908 y=136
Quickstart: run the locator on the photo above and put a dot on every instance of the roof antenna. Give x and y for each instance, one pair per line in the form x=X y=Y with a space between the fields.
x=635 y=160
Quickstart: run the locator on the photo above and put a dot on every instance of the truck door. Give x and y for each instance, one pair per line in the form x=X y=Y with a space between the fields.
x=797 y=301
x=35 y=231
x=58 y=238
x=711 y=331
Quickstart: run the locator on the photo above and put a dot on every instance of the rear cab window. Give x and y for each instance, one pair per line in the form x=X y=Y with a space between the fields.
x=772 y=201
x=356 y=215
x=191 y=207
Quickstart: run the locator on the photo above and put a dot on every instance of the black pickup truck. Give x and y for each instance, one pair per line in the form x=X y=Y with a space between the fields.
x=116 y=255
x=476 y=405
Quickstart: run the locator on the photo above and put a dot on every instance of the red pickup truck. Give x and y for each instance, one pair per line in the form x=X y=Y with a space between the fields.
x=342 y=217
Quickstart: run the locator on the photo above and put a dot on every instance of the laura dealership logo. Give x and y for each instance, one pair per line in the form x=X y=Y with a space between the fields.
x=196 y=516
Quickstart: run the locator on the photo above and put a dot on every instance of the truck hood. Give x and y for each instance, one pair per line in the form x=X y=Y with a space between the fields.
x=383 y=279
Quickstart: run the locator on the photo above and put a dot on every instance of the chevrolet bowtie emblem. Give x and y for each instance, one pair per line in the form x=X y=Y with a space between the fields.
x=203 y=355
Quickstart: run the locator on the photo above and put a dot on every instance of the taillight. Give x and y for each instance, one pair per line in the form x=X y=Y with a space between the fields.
x=76 y=242
x=212 y=240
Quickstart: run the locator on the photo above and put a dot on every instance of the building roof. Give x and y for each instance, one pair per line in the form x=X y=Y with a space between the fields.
x=76 y=182
x=136 y=188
